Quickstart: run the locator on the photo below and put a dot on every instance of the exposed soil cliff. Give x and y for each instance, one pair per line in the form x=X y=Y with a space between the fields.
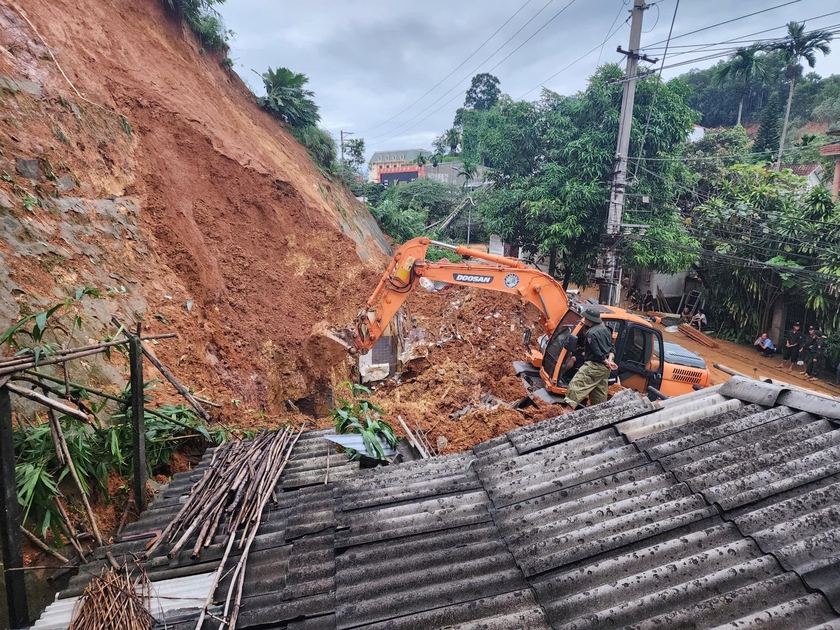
x=163 y=180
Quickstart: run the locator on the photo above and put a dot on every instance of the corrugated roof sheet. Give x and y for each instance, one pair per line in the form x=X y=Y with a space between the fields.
x=718 y=508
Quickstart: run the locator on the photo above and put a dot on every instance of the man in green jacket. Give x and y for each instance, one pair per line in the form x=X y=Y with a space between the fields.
x=591 y=379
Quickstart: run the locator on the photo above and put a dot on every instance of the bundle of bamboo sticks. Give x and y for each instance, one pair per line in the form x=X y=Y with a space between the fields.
x=229 y=498
x=696 y=335
x=115 y=600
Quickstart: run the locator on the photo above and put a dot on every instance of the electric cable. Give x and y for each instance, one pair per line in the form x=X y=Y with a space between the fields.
x=545 y=6
x=742 y=17
x=434 y=87
x=490 y=70
x=656 y=88
x=581 y=58
x=604 y=43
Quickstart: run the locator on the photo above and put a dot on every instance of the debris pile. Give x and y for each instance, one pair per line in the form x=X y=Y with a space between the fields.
x=462 y=392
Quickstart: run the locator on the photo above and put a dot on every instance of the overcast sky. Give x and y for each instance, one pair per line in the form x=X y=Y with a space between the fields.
x=368 y=60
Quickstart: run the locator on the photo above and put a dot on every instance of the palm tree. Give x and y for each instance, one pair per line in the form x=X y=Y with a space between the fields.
x=798 y=45
x=453 y=139
x=745 y=65
x=468 y=170
x=286 y=98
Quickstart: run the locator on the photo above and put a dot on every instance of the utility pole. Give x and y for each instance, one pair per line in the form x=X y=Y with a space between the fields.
x=343 y=133
x=609 y=289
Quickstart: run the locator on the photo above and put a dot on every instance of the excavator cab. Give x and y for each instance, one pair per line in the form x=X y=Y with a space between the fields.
x=638 y=348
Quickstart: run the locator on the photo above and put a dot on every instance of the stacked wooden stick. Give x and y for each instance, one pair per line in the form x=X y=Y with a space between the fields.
x=229 y=499
x=115 y=600
x=696 y=335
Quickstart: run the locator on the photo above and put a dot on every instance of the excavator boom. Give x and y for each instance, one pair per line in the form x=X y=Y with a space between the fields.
x=506 y=275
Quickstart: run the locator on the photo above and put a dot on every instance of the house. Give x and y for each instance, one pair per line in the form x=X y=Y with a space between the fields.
x=719 y=507
x=398 y=165
x=449 y=173
x=697 y=133
x=813 y=172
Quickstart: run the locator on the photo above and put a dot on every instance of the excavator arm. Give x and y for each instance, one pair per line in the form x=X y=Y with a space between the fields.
x=506 y=275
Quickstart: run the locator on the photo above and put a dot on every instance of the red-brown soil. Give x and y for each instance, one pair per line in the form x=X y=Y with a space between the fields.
x=233 y=215
x=459 y=371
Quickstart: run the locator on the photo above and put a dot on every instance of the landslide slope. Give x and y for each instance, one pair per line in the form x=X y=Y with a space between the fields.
x=158 y=176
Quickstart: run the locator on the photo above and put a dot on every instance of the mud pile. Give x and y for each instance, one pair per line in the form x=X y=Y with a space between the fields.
x=463 y=389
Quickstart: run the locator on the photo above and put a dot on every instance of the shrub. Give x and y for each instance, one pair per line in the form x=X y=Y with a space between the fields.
x=204 y=21
x=287 y=99
x=319 y=143
x=361 y=416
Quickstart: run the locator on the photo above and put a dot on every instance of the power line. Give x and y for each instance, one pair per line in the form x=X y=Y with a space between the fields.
x=707 y=197
x=490 y=70
x=604 y=43
x=656 y=89
x=581 y=58
x=430 y=90
x=706 y=28
x=701 y=158
x=766 y=30
x=544 y=7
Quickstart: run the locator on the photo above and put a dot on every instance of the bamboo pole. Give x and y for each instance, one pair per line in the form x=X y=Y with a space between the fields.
x=72 y=468
x=48 y=402
x=181 y=389
x=42 y=545
x=61 y=355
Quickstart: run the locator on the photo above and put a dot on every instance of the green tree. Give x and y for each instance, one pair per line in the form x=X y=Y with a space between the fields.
x=799 y=45
x=287 y=99
x=769 y=131
x=483 y=92
x=764 y=239
x=204 y=21
x=553 y=162
x=451 y=139
x=468 y=171
x=319 y=142
x=746 y=65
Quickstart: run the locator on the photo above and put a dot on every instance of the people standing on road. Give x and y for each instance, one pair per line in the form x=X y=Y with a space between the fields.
x=815 y=356
x=648 y=303
x=699 y=320
x=805 y=348
x=592 y=377
x=790 y=351
x=764 y=345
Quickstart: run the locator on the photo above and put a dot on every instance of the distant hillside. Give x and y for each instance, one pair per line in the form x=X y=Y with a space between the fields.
x=816 y=100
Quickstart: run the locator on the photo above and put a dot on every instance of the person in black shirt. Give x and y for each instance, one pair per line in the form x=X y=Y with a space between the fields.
x=790 y=351
x=648 y=303
x=816 y=355
x=593 y=376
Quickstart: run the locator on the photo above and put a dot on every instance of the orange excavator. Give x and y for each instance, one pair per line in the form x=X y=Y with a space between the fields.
x=645 y=362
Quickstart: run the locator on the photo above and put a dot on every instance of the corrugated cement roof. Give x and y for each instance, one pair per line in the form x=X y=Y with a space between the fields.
x=718 y=508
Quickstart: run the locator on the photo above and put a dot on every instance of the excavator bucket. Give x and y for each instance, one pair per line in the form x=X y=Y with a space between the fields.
x=332 y=345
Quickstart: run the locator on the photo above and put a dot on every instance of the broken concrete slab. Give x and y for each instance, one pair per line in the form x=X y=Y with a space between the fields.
x=30 y=169
x=71 y=204
x=65 y=184
x=21 y=85
x=5 y=201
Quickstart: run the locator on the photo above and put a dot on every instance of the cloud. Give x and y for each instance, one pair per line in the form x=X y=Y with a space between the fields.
x=367 y=61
